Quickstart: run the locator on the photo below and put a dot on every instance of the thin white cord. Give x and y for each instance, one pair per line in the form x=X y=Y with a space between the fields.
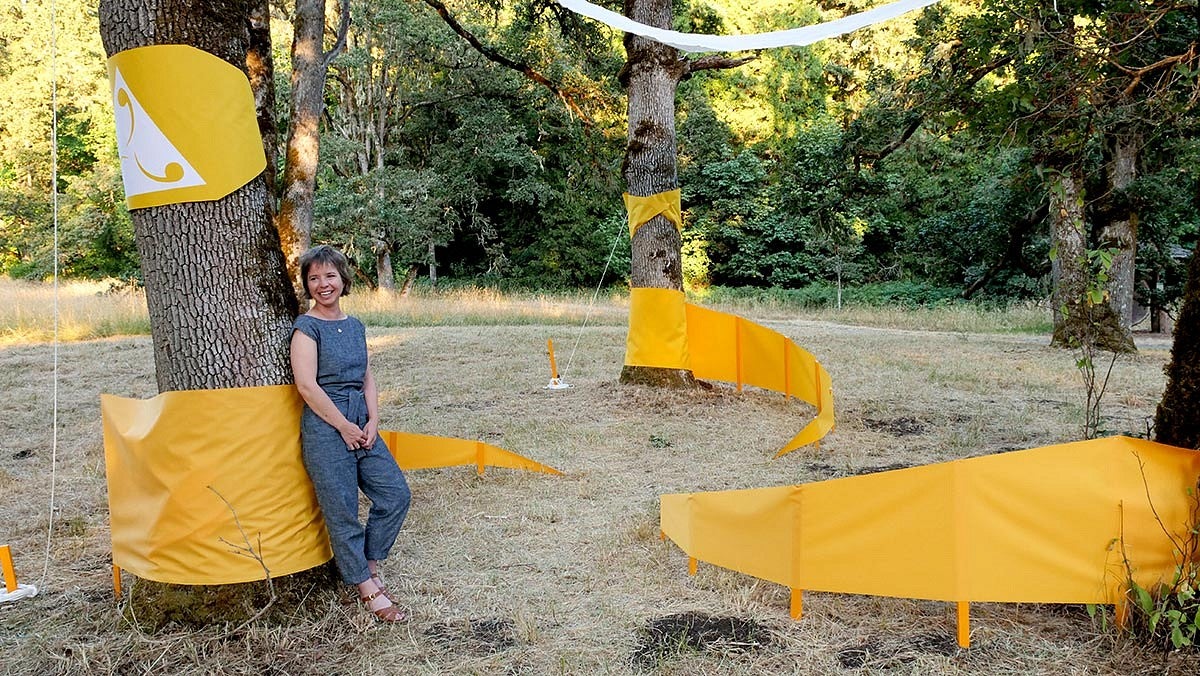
x=54 y=210
x=586 y=317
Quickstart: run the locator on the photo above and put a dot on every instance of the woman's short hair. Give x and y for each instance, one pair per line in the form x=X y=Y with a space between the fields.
x=323 y=254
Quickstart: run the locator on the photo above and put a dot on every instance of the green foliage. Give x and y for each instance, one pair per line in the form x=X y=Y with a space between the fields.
x=824 y=295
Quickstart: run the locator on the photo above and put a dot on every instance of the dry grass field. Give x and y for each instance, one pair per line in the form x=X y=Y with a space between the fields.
x=516 y=573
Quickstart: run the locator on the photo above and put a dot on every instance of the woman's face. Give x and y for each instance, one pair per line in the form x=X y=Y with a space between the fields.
x=324 y=284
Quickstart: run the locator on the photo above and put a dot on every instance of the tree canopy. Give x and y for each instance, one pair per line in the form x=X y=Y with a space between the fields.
x=918 y=151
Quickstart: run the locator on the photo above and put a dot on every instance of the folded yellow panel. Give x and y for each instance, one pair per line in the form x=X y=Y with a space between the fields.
x=164 y=454
x=174 y=460
x=424 y=451
x=1047 y=525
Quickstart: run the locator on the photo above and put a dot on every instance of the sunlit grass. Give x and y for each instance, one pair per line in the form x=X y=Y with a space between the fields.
x=86 y=310
x=480 y=306
x=89 y=310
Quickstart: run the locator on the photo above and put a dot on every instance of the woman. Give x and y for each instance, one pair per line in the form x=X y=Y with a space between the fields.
x=339 y=431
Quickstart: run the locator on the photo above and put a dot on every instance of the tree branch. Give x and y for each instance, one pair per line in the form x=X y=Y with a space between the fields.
x=343 y=29
x=496 y=57
x=715 y=63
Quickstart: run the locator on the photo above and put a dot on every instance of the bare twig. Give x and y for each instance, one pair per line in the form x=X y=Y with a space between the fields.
x=249 y=550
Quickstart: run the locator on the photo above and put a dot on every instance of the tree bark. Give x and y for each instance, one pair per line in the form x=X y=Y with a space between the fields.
x=303 y=144
x=1177 y=421
x=1076 y=321
x=260 y=67
x=383 y=266
x=220 y=302
x=651 y=74
x=1068 y=264
x=1121 y=233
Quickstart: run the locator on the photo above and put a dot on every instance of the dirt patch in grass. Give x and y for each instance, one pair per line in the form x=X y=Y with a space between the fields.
x=889 y=653
x=477 y=636
x=667 y=637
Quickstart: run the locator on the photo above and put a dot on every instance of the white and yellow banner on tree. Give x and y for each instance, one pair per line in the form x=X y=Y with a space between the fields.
x=186 y=125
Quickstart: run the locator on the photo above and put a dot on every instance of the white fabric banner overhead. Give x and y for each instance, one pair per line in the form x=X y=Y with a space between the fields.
x=795 y=37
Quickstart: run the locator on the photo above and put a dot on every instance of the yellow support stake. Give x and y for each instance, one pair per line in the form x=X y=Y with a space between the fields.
x=10 y=573
x=797 y=608
x=1121 y=613
x=787 y=373
x=737 y=349
x=553 y=366
x=117 y=582
x=964 y=624
x=693 y=565
x=479 y=457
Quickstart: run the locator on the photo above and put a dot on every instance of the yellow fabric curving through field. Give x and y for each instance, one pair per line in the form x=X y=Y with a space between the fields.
x=184 y=468
x=1045 y=525
x=667 y=332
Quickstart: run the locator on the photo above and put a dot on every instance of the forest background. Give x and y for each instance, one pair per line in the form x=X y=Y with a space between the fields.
x=911 y=162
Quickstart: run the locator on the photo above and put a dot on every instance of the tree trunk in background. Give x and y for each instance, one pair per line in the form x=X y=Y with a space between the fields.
x=1075 y=321
x=1121 y=234
x=651 y=74
x=221 y=305
x=1069 y=242
x=383 y=266
x=300 y=161
x=260 y=67
x=1177 y=421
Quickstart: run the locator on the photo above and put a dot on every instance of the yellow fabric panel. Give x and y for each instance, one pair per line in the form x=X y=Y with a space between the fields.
x=657 y=329
x=423 y=451
x=720 y=346
x=642 y=209
x=823 y=424
x=762 y=356
x=186 y=124
x=712 y=343
x=162 y=454
x=1032 y=526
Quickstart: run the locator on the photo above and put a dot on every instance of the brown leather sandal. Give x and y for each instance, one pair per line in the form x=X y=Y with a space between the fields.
x=379 y=583
x=389 y=613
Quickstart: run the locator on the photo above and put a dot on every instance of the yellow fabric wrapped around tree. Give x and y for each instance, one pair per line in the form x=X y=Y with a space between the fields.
x=197 y=479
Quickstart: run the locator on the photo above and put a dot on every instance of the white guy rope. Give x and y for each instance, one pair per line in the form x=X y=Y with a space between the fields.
x=54 y=210
x=588 y=315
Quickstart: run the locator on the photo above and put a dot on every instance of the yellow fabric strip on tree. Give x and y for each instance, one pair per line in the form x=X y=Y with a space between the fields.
x=642 y=209
x=174 y=460
x=667 y=332
x=187 y=130
x=1046 y=525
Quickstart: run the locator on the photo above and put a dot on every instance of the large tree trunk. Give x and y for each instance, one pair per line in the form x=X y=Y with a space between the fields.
x=651 y=75
x=303 y=143
x=1076 y=321
x=221 y=304
x=1177 y=421
x=1121 y=233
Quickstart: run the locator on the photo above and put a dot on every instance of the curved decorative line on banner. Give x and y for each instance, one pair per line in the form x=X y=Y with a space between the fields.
x=186 y=126
x=961 y=531
x=173 y=460
x=667 y=332
x=642 y=209
x=795 y=37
